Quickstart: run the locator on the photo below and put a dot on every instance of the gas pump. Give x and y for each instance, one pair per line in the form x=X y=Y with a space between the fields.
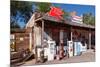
x=77 y=48
x=51 y=50
x=70 y=48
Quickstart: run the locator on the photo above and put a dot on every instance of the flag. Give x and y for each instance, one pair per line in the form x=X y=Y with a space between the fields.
x=76 y=19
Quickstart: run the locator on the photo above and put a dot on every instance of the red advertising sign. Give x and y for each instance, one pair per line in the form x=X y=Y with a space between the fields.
x=56 y=12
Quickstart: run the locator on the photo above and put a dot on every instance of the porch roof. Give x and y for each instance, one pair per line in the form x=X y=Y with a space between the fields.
x=49 y=18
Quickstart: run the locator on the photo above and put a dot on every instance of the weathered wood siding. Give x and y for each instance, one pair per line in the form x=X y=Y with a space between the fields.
x=21 y=41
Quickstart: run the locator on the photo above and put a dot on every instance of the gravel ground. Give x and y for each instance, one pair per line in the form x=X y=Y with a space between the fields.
x=85 y=57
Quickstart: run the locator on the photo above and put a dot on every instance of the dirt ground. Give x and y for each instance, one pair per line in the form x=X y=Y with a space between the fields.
x=88 y=56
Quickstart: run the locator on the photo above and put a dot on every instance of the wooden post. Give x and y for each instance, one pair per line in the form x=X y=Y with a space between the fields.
x=35 y=46
x=61 y=50
x=89 y=39
x=71 y=34
x=42 y=42
x=30 y=41
x=42 y=37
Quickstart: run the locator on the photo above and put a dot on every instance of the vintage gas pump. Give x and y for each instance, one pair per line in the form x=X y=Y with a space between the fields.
x=51 y=50
x=77 y=48
x=70 y=48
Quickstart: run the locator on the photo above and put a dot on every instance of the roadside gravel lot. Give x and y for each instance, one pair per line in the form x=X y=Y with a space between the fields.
x=85 y=57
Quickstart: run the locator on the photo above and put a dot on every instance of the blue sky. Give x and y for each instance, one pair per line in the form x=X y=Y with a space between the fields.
x=80 y=9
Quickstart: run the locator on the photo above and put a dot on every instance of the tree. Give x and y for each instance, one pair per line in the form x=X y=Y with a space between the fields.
x=88 y=18
x=43 y=7
x=66 y=15
x=21 y=8
x=24 y=10
x=14 y=25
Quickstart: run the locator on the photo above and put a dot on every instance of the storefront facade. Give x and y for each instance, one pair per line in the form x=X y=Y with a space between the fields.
x=49 y=29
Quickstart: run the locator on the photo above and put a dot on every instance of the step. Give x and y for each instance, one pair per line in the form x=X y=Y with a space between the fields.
x=16 y=60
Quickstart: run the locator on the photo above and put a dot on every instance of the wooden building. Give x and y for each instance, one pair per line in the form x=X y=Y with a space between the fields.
x=20 y=44
x=42 y=27
x=47 y=28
